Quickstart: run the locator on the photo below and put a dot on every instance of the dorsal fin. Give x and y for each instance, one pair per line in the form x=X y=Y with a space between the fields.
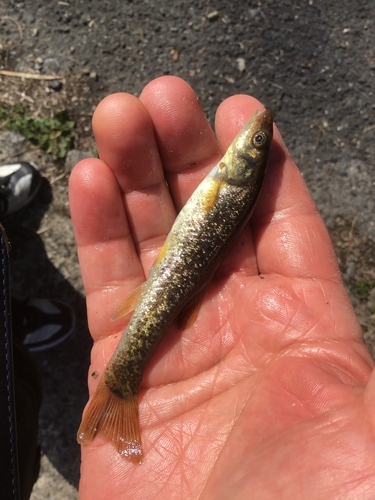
x=128 y=305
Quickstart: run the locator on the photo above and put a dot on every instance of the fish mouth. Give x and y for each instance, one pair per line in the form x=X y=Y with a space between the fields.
x=266 y=118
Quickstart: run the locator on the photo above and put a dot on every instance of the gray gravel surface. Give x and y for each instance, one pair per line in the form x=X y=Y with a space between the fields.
x=312 y=62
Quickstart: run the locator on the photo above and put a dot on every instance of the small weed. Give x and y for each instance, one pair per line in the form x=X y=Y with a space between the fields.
x=363 y=288
x=54 y=135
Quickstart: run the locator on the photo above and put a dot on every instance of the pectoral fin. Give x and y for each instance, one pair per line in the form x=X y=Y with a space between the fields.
x=212 y=195
x=128 y=305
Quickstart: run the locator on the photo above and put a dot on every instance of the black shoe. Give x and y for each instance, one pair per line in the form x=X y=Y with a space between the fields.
x=19 y=183
x=42 y=323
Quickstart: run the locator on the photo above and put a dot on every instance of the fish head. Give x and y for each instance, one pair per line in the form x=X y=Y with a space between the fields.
x=247 y=156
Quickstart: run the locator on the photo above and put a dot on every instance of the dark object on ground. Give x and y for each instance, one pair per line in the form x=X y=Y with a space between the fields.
x=21 y=397
x=42 y=323
x=19 y=183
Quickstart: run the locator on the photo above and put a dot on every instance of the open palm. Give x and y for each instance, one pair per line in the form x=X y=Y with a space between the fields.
x=265 y=395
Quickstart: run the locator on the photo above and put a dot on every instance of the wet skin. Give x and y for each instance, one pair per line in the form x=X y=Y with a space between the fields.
x=270 y=394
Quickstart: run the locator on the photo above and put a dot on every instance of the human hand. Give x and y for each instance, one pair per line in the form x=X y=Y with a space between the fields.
x=265 y=395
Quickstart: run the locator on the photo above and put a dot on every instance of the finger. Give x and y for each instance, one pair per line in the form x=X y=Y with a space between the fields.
x=126 y=143
x=186 y=142
x=104 y=241
x=289 y=235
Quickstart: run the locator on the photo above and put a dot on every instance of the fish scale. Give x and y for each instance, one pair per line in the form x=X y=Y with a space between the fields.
x=199 y=244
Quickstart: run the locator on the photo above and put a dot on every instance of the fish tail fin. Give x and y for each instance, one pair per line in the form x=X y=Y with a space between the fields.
x=114 y=417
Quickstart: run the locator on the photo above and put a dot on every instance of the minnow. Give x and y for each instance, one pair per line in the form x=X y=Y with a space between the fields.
x=201 y=237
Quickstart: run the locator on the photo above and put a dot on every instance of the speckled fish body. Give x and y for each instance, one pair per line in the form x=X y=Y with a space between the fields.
x=202 y=235
x=200 y=238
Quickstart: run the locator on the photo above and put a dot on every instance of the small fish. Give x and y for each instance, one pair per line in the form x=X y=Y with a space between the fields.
x=201 y=237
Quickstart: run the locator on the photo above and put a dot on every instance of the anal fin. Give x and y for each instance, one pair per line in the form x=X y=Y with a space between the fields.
x=189 y=314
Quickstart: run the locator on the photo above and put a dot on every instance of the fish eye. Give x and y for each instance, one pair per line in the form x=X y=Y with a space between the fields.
x=260 y=140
